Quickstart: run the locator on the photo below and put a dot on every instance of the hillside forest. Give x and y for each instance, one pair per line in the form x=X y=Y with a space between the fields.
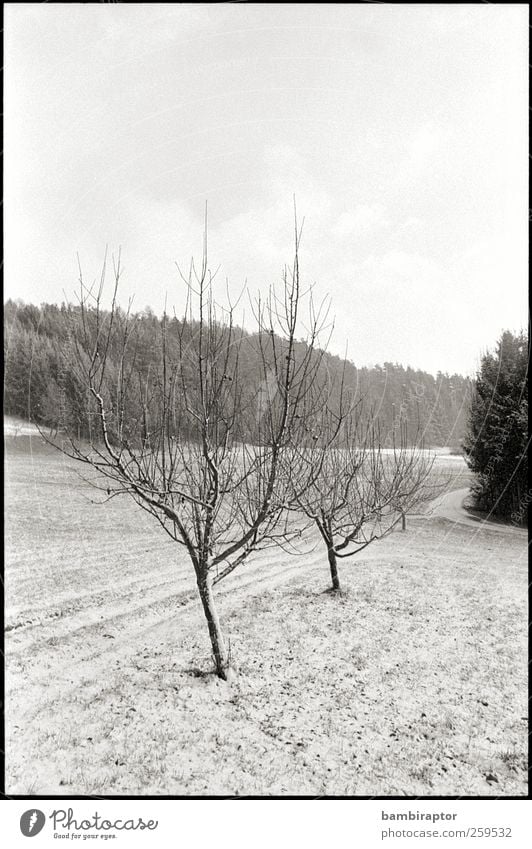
x=41 y=385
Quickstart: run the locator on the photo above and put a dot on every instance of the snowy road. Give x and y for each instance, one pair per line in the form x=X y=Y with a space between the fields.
x=451 y=506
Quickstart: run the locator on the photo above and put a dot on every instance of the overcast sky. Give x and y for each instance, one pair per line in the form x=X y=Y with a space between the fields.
x=402 y=131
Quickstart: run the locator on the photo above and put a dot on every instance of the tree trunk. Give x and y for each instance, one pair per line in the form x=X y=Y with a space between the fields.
x=334 y=569
x=403 y=521
x=219 y=651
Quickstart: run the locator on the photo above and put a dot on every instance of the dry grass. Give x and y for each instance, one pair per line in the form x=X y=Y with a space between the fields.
x=411 y=681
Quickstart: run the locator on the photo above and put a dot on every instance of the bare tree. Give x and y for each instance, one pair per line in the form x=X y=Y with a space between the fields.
x=421 y=480
x=361 y=490
x=197 y=441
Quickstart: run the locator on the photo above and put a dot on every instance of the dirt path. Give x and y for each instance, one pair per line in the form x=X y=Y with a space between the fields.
x=451 y=506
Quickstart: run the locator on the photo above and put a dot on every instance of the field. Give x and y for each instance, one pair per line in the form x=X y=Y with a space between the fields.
x=412 y=681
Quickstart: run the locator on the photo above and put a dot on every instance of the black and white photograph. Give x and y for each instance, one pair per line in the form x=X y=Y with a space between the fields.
x=265 y=403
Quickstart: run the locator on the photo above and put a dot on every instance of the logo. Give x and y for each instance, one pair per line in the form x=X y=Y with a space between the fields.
x=31 y=822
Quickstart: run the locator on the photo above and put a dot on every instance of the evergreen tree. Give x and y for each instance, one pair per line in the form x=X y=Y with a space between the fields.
x=497 y=440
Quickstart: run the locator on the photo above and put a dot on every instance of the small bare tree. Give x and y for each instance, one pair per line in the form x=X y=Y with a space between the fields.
x=360 y=490
x=421 y=480
x=194 y=434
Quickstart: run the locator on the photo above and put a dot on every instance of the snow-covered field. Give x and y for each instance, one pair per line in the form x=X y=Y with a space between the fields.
x=411 y=681
x=18 y=427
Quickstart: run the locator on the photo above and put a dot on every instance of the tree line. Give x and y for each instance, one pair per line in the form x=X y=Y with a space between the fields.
x=40 y=385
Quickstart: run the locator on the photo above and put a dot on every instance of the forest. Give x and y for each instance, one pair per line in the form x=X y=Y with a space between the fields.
x=41 y=385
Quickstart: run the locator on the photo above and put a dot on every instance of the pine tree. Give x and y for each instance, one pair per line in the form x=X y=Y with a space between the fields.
x=497 y=440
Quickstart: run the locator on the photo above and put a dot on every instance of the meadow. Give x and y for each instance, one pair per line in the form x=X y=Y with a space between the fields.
x=411 y=681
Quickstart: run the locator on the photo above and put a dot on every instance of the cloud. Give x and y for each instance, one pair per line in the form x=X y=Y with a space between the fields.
x=287 y=172
x=414 y=224
x=129 y=32
x=363 y=218
x=419 y=272
x=124 y=120
x=420 y=151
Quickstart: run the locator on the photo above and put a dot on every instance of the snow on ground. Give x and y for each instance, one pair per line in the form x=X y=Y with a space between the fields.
x=412 y=681
x=19 y=427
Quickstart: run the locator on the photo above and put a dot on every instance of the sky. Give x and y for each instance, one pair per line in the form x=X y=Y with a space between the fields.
x=400 y=130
